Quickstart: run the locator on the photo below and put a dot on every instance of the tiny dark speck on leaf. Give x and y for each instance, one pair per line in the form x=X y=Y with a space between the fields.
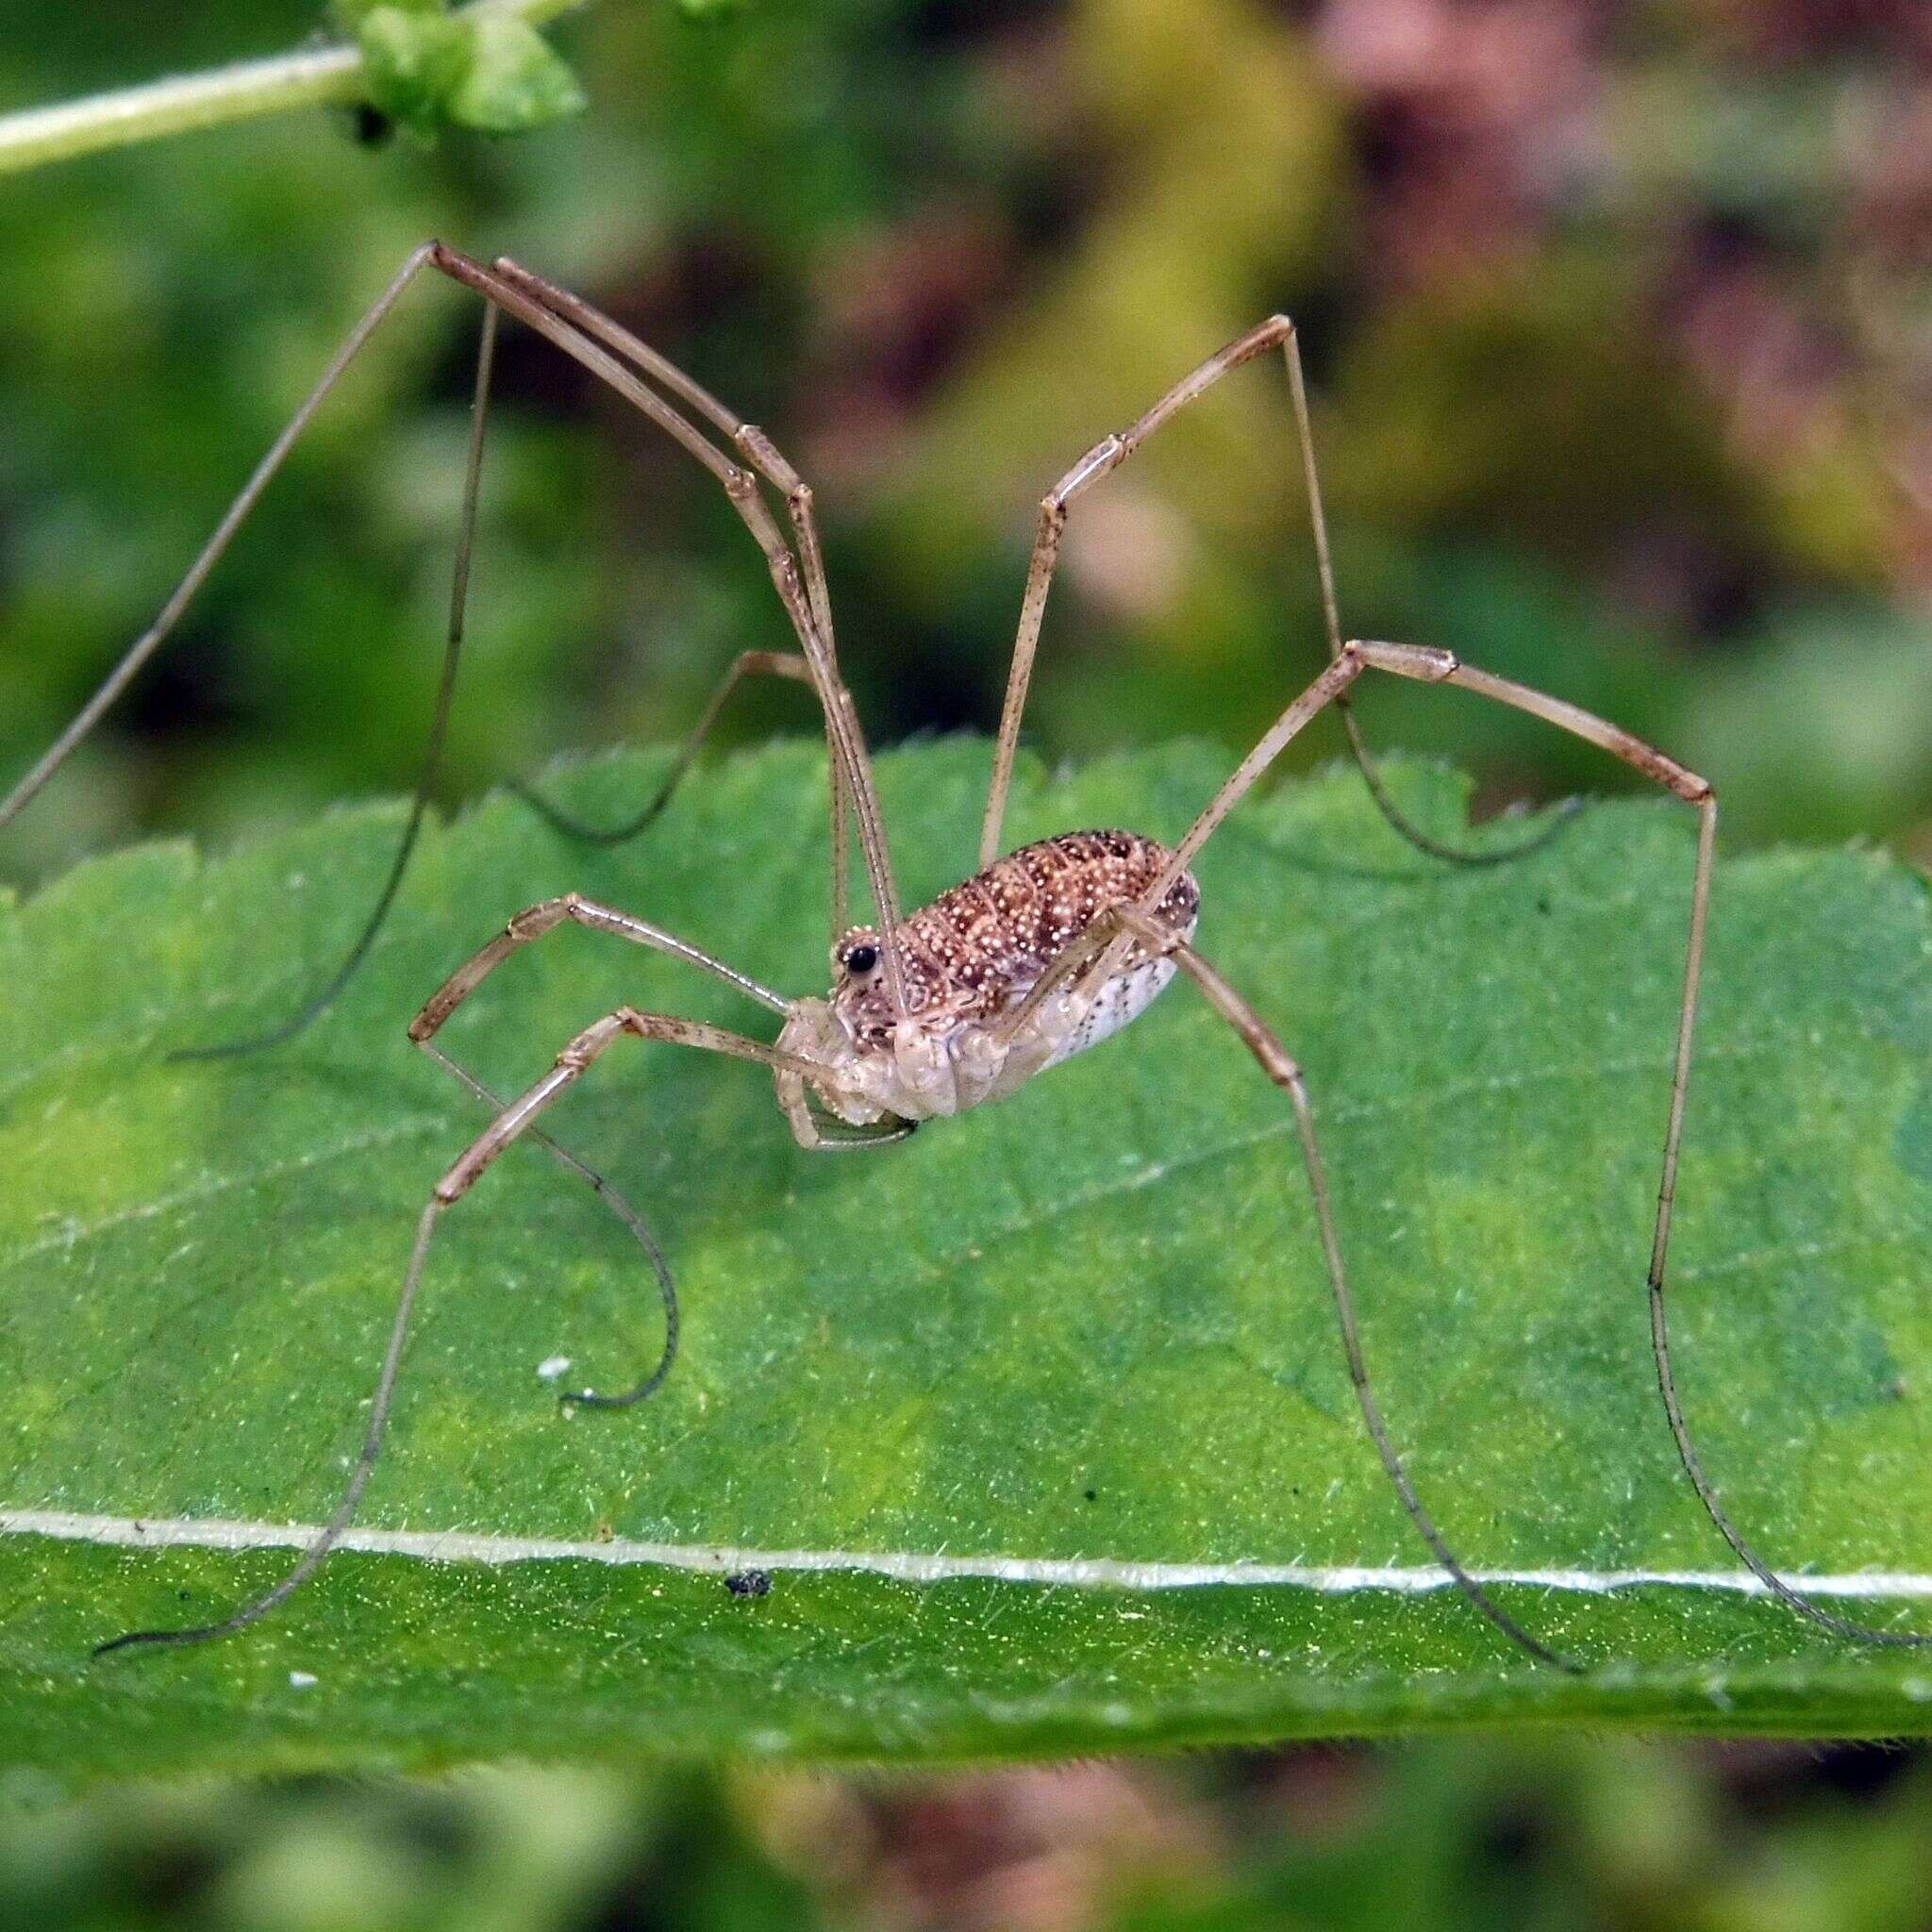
x=749 y=1583
x=1092 y=1495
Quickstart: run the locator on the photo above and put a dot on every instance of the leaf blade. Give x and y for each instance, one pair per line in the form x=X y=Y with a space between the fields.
x=950 y=1347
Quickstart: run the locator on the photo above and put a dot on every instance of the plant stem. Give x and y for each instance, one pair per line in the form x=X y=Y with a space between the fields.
x=310 y=76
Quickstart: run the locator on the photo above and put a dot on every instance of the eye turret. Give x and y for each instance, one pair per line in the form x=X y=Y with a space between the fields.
x=857 y=955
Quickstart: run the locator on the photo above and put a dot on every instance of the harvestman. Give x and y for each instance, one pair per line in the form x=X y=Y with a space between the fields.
x=1039 y=954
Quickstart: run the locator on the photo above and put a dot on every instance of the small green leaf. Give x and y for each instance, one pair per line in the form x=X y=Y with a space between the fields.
x=971 y=1382
x=350 y=14
x=417 y=58
x=515 y=79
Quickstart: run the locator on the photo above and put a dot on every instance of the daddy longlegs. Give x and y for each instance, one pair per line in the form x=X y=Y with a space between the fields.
x=1039 y=954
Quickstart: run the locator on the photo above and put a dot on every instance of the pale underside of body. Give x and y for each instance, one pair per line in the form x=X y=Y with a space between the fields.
x=988 y=999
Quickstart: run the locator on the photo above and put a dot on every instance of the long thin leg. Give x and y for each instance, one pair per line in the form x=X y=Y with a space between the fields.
x=1105 y=456
x=800 y=585
x=764 y=456
x=1695 y=792
x=1281 y=1068
x=1441 y=667
x=1119 y=926
x=515 y=1121
x=567 y=320
x=667 y=1287
x=330 y=991
x=157 y=632
x=752 y=443
x=1392 y=813
x=533 y=922
x=746 y=664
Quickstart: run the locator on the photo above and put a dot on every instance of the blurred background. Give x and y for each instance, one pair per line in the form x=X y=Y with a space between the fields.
x=1619 y=328
x=1459 y=1836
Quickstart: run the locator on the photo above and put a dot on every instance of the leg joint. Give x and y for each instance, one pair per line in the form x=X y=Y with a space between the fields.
x=764 y=454
x=533 y=922
x=1108 y=454
x=462 y=268
x=1421 y=663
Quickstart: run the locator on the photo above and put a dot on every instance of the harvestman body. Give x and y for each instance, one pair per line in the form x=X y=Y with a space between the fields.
x=1039 y=954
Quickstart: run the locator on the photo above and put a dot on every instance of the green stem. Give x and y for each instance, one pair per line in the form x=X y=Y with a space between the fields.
x=311 y=77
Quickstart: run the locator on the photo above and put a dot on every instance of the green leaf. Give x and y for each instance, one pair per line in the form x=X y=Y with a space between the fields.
x=514 y=81
x=417 y=58
x=350 y=14
x=1080 y=1330
x=490 y=72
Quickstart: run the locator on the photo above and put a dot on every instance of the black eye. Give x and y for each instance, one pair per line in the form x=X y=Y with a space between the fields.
x=862 y=959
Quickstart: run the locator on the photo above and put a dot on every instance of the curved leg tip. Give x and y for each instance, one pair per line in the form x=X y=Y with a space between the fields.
x=578 y=829
x=261 y=1042
x=589 y=1398
x=129 y=1639
x=224 y=1049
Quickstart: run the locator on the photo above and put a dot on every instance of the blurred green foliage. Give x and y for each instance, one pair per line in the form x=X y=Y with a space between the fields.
x=1619 y=361
x=1620 y=339
x=1474 y=1836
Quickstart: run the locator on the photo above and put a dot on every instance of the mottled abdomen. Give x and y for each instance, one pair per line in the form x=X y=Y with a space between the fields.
x=978 y=948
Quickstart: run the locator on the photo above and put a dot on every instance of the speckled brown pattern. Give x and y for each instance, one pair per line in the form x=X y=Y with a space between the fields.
x=979 y=946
